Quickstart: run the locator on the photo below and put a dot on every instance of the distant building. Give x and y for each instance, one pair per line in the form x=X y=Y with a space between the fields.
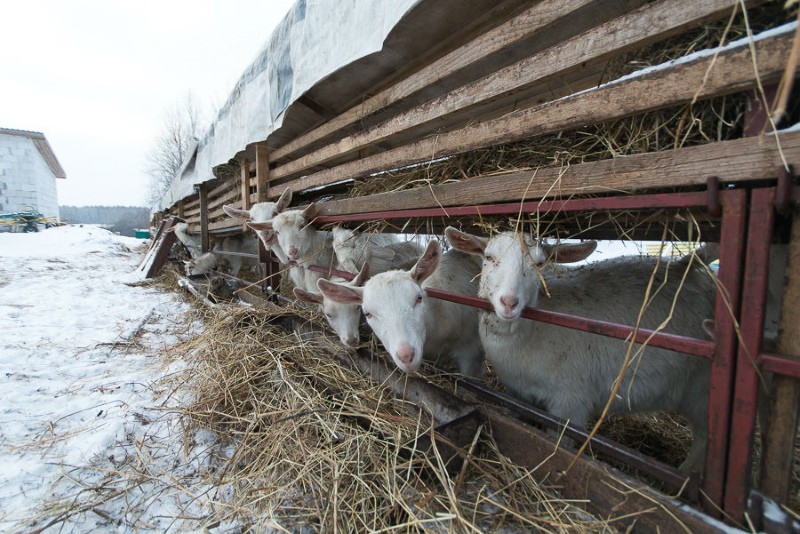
x=28 y=172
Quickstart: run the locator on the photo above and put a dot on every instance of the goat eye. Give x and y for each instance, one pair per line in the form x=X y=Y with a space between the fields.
x=419 y=300
x=488 y=258
x=368 y=315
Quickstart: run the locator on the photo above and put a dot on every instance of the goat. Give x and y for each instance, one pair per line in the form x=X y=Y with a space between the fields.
x=260 y=213
x=344 y=318
x=240 y=244
x=192 y=243
x=571 y=373
x=353 y=249
x=301 y=244
x=411 y=324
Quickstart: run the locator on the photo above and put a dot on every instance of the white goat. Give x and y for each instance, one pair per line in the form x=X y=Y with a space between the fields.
x=353 y=249
x=260 y=213
x=572 y=373
x=411 y=324
x=344 y=318
x=191 y=242
x=302 y=245
x=241 y=244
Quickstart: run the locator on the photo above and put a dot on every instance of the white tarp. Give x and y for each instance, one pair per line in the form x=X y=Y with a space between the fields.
x=314 y=40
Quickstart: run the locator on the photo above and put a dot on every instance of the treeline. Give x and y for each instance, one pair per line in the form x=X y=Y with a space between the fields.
x=122 y=219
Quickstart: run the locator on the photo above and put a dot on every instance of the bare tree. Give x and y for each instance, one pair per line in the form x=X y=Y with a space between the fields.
x=165 y=157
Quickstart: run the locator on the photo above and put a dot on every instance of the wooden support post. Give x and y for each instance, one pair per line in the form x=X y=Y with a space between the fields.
x=245 y=174
x=262 y=172
x=779 y=440
x=204 y=218
x=181 y=209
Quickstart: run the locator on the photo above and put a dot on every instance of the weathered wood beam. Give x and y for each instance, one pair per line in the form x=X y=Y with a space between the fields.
x=204 y=240
x=262 y=172
x=728 y=72
x=520 y=27
x=747 y=159
x=639 y=28
x=244 y=167
x=779 y=442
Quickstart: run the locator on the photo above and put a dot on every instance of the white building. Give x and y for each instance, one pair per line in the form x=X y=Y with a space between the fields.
x=28 y=172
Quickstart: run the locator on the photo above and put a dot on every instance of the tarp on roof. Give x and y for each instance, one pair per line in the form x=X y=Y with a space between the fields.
x=314 y=40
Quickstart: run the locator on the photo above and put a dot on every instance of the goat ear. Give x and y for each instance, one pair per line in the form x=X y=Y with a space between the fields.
x=464 y=242
x=284 y=200
x=236 y=213
x=307 y=296
x=569 y=252
x=427 y=263
x=260 y=226
x=340 y=293
x=361 y=277
x=310 y=213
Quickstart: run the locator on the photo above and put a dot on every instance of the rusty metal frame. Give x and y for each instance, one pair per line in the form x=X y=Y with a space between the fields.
x=742 y=282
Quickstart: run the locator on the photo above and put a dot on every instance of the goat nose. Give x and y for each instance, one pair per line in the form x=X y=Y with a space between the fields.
x=293 y=252
x=351 y=341
x=405 y=354
x=509 y=302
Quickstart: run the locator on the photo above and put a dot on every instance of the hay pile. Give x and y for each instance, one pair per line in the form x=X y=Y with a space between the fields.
x=702 y=122
x=310 y=445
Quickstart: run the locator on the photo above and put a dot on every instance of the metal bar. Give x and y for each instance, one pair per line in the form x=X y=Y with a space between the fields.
x=662 y=200
x=675 y=342
x=327 y=270
x=734 y=205
x=782 y=365
x=745 y=401
x=671 y=476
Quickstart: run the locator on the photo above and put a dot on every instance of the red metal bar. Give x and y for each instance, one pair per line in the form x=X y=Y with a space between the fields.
x=672 y=477
x=726 y=309
x=782 y=365
x=329 y=271
x=654 y=339
x=663 y=200
x=745 y=401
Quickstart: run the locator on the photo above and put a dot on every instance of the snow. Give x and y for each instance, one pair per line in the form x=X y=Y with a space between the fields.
x=81 y=349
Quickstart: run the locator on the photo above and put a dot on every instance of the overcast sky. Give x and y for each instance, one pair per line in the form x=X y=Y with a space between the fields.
x=97 y=77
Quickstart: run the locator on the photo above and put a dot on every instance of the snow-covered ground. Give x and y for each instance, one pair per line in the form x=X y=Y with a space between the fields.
x=82 y=397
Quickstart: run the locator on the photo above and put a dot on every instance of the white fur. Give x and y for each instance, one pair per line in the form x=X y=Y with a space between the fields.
x=412 y=325
x=571 y=373
x=263 y=212
x=210 y=260
x=192 y=243
x=343 y=317
x=303 y=244
x=353 y=249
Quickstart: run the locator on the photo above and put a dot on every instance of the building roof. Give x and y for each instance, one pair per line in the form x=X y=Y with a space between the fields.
x=42 y=146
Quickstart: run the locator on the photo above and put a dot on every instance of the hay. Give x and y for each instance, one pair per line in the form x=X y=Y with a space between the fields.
x=307 y=443
x=699 y=123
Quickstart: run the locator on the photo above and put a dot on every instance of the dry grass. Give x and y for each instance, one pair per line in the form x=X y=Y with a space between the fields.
x=703 y=122
x=315 y=445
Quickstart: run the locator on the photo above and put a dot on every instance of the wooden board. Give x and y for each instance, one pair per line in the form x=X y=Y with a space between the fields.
x=728 y=72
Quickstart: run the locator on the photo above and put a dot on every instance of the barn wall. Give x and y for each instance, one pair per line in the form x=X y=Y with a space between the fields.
x=625 y=121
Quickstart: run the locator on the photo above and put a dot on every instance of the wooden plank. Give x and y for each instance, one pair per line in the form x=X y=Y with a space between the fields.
x=779 y=442
x=244 y=167
x=521 y=27
x=596 y=487
x=703 y=77
x=204 y=241
x=262 y=172
x=644 y=26
x=733 y=161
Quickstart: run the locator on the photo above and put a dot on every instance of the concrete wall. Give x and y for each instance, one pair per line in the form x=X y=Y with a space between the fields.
x=25 y=179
